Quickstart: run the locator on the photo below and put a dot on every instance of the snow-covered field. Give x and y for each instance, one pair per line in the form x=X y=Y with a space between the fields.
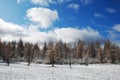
x=60 y=72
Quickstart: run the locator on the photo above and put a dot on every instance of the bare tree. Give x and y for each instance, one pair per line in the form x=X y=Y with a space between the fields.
x=80 y=50
x=1 y=50
x=52 y=57
x=61 y=48
x=107 y=46
x=51 y=53
x=66 y=51
x=91 y=49
x=113 y=53
x=36 y=51
x=44 y=50
x=101 y=55
x=29 y=52
x=20 y=48
x=70 y=45
x=8 y=53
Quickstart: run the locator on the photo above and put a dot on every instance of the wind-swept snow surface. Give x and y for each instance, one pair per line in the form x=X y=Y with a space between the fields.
x=59 y=72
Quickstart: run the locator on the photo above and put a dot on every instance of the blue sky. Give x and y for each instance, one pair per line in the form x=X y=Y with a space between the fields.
x=59 y=19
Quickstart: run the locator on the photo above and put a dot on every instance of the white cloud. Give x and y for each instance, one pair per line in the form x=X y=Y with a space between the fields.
x=72 y=35
x=117 y=27
x=99 y=15
x=19 y=1
x=63 y=1
x=41 y=2
x=86 y=2
x=10 y=31
x=43 y=16
x=110 y=10
x=45 y=3
x=73 y=5
x=114 y=34
x=114 y=37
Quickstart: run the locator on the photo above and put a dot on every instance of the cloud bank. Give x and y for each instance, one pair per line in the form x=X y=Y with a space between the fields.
x=10 y=31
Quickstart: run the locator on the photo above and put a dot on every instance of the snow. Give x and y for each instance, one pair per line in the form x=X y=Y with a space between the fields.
x=20 y=71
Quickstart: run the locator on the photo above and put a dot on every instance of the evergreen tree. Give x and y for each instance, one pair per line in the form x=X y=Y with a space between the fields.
x=107 y=46
x=44 y=50
x=29 y=52
x=20 y=48
x=80 y=50
x=36 y=52
x=51 y=53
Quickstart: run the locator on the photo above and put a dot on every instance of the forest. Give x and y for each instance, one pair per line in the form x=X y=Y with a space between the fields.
x=60 y=53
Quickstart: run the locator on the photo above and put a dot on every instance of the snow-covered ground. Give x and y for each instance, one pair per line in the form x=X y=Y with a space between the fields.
x=60 y=72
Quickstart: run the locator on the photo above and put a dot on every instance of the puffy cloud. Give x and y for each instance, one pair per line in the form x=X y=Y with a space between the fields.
x=72 y=35
x=7 y=30
x=65 y=34
x=11 y=26
x=110 y=10
x=117 y=27
x=73 y=5
x=10 y=31
x=86 y=2
x=43 y=16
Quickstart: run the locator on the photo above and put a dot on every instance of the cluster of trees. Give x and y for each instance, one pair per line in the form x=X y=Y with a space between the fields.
x=60 y=53
x=18 y=51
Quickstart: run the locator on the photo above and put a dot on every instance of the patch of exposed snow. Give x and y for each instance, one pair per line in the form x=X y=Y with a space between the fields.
x=60 y=72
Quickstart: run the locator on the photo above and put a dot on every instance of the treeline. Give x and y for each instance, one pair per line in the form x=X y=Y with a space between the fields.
x=60 y=53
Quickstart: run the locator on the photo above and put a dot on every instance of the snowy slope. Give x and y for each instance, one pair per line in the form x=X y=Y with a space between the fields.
x=60 y=72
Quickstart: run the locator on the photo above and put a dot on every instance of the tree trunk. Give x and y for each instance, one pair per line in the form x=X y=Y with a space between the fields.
x=8 y=61
x=52 y=62
x=70 y=63
x=29 y=60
